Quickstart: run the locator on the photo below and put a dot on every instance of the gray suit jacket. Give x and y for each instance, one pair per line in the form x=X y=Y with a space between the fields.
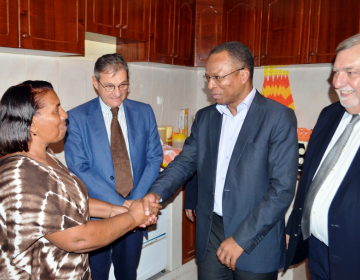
x=259 y=186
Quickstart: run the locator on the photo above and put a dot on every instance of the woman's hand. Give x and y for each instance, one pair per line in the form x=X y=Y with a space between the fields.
x=137 y=211
x=117 y=210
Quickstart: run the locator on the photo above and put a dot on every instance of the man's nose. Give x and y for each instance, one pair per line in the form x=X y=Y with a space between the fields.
x=117 y=91
x=211 y=83
x=339 y=80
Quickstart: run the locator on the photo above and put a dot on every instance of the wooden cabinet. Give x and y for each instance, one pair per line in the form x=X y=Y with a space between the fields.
x=242 y=23
x=285 y=29
x=172 y=31
x=8 y=24
x=120 y=18
x=162 y=21
x=188 y=237
x=51 y=25
x=184 y=36
x=332 y=21
x=208 y=29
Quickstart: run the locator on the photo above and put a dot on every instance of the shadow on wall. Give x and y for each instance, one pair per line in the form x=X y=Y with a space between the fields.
x=207 y=91
x=332 y=93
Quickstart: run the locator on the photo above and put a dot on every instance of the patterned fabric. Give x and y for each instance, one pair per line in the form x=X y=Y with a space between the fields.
x=36 y=200
x=122 y=167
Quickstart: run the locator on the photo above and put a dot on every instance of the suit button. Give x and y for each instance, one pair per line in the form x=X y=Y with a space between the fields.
x=112 y=177
x=212 y=193
x=300 y=209
x=210 y=217
x=295 y=234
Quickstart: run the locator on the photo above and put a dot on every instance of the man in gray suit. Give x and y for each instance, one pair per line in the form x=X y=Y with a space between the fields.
x=245 y=151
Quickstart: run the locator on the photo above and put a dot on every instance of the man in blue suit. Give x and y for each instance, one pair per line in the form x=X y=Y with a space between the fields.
x=89 y=156
x=333 y=247
x=245 y=152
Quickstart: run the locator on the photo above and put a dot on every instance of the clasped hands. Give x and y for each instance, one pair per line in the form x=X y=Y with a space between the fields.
x=136 y=208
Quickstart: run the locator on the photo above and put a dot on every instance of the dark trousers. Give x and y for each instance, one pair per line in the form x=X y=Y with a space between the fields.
x=211 y=268
x=125 y=255
x=319 y=267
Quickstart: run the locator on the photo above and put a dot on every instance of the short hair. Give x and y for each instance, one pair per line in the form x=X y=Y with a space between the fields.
x=17 y=107
x=348 y=43
x=110 y=63
x=238 y=53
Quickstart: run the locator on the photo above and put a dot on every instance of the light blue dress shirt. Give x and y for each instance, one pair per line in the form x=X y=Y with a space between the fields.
x=230 y=129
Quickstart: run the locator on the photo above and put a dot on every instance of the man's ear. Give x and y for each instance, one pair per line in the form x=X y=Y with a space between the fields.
x=245 y=75
x=95 y=82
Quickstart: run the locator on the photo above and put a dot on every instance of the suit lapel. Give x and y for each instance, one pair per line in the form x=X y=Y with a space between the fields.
x=96 y=123
x=354 y=169
x=324 y=138
x=252 y=119
x=215 y=123
x=131 y=122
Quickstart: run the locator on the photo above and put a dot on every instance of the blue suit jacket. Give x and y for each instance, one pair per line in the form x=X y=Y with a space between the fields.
x=259 y=185
x=343 y=217
x=88 y=154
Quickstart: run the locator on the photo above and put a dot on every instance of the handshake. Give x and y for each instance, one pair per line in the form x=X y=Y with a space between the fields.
x=144 y=211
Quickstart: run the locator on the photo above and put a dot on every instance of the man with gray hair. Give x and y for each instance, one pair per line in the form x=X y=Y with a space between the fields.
x=113 y=146
x=324 y=223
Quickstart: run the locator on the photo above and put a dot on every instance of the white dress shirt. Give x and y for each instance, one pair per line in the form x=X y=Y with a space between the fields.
x=106 y=111
x=230 y=129
x=326 y=194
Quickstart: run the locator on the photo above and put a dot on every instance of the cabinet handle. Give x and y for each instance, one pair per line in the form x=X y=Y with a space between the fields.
x=125 y=26
x=176 y=55
x=118 y=26
x=171 y=55
x=255 y=57
x=25 y=35
x=311 y=53
x=263 y=56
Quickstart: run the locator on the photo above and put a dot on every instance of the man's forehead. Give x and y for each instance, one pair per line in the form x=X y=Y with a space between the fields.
x=217 y=64
x=348 y=58
x=112 y=74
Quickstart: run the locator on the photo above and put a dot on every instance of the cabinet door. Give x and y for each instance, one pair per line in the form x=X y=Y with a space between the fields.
x=162 y=21
x=135 y=19
x=208 y=28
x=188 y=237
x=53 y=25
x=332 y=22
x=8 y=24
x=184 y=27
x=242 y=23
x=103 y=17
x=285 y=26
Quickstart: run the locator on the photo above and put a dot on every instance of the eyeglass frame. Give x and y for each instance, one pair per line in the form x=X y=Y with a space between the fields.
x=218 y=79
x=119 y=86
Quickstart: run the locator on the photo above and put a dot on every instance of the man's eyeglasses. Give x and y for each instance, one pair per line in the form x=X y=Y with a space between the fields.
x=217 y=79
x=110 y=88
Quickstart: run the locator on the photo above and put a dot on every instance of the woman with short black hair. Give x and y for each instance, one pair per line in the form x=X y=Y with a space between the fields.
x=44 y=208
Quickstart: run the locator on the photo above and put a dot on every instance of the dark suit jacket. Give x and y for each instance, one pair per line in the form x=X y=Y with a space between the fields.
x=88 y=154
x=343 y=217
x=259 y=185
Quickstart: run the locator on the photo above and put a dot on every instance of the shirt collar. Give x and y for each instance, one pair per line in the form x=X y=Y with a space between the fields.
x=106 y=109
x=223 y=109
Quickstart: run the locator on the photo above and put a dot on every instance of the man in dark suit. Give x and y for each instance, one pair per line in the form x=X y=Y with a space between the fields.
x=89 y=156
x=333 y=247
x=244 y=149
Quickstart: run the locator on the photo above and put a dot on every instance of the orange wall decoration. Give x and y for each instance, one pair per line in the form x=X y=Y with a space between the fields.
x=277 y=85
